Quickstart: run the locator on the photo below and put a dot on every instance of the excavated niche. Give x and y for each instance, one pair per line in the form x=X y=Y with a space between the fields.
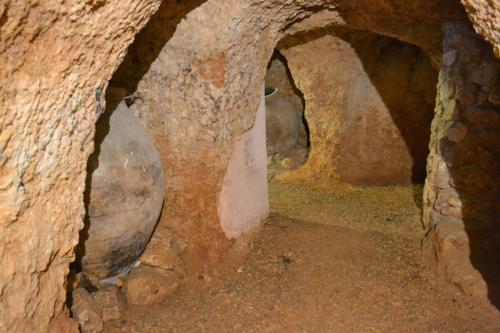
x=365 y=96
x=287 y=131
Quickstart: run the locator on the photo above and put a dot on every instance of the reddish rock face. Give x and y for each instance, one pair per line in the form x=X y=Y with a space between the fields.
x=484 y=15
x=56 y=62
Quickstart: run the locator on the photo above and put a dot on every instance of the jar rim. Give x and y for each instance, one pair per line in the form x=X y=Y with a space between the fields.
x=270 y=90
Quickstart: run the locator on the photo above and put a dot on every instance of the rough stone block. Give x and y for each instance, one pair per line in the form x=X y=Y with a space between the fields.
x=449 y=197
x=448 y=203
x=448 y=244
x=457 y=133
x=486 y=118
x=441 y=177
x=111 y=301
x=487 y=161
x=163 y=250
x=148 y=285
x=485 y=74
x=86 y=311
x=449 y=58
x=467 y=93
x=63 y=324
x=494 y=96
x=472 y=179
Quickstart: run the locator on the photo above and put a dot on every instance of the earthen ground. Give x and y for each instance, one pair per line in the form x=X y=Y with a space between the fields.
x=346 y=259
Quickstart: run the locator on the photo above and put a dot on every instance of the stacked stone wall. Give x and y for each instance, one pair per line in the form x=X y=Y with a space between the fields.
x=462 y=190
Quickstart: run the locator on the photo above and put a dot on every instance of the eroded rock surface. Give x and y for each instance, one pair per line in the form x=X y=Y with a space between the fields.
x=56 y=60
x=485 y=15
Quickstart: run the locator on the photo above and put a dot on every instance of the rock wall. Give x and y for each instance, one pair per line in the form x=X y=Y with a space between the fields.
x=485 y=16
x=462 y=190
x=56 y=59
x=369 y=103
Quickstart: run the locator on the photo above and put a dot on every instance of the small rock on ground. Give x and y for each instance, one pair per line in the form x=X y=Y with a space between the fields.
x=86 y=312
x=149 y=285
x=111 y=301
x=163 y=251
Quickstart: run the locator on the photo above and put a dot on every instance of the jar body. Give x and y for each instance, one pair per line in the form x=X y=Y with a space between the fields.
x=125 y=196
x=283 y=122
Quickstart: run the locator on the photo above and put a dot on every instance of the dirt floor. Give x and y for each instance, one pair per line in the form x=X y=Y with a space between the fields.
x=343 y=260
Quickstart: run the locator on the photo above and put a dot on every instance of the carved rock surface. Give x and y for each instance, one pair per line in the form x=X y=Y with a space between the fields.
x=56 y=60
x=449 y=246
x=485 y=15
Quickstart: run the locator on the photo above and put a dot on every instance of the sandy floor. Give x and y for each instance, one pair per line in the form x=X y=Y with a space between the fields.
x=343 y=260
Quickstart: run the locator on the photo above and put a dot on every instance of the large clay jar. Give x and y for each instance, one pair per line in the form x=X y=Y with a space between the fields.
x=282 y=122
x=125 y=198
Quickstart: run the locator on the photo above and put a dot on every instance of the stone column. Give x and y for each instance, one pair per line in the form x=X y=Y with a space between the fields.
x=461 y=195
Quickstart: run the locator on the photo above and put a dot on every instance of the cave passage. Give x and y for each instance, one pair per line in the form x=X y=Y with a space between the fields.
x=348 y=119
x=250 y=166
x=312 y=223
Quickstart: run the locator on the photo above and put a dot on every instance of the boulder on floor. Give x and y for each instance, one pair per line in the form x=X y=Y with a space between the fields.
x=86 y=312
x=111 y=301
x=149 y=285
x=163 y=251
